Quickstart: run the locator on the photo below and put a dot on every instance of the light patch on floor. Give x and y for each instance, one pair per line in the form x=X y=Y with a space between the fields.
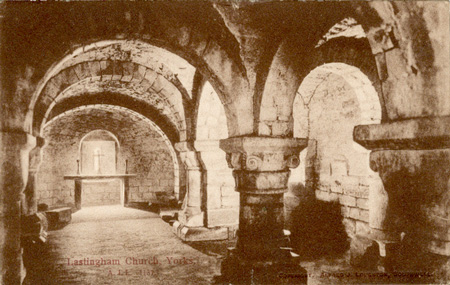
x=118 y=233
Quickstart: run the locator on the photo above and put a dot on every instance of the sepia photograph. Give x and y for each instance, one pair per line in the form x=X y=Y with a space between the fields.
x=224 y=142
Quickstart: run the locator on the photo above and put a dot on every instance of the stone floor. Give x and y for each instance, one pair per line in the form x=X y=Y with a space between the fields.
x=118 y=233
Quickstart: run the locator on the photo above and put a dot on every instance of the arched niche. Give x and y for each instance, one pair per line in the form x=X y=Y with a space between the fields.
x=332 y=99
x=98 y=153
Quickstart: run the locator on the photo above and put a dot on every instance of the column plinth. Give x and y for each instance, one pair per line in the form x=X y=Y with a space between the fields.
x=261 y=171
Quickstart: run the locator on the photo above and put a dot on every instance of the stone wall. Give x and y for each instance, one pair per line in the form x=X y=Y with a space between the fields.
x=145 y=149
x=335 y=168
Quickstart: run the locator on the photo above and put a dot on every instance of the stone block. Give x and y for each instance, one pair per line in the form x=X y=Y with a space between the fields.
x=350 y=226
x=362 y=228
x=222 y=217
x=362 y=203
x=350 y=190
x=345 y=211
x=214 y=197
x=364 y=215
x=347 y=200
x=58 y=217
x=336 y=188
x=325 y=187
x=264 y=129
x=325 y=196
x=228 y=190
x=202 y=234
x=354 y=213
x=280 y=128
x=230 y=201
x=176 y=227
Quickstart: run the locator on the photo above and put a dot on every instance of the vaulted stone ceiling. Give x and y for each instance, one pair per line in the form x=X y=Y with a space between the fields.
x=247 y=51
x=131 y=74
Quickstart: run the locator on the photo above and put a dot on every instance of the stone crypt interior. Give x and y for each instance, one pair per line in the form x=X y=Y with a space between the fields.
x=257 y=142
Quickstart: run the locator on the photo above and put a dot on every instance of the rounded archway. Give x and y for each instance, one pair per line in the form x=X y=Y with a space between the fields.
x=144 y=148
x=332 y=99
x=98 y=153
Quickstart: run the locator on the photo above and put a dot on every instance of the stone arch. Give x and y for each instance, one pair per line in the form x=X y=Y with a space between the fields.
x=285 y=78
x=119 y=99
x=128 y=78
x=102 y=135
x=365 y=92
x=135 y=117
x=332 y=99
x=85 y=58
x=365 y=95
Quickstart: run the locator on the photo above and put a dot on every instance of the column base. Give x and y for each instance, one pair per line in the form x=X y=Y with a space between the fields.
x=191 y=217
x=186 y=233
x=237 y=269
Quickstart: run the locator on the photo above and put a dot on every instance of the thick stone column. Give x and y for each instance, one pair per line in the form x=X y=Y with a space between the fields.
x=29 y=205
x=15 y=149
x=191 y=214
x=413 y=160
x=261 y=170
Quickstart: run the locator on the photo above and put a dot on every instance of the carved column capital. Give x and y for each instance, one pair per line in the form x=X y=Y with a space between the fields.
x=188 y=155
x=263 y=153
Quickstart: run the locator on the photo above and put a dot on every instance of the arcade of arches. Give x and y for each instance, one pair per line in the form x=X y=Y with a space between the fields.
x=316 y=128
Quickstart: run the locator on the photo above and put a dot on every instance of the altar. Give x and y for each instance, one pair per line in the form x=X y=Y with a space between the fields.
x=79 y=178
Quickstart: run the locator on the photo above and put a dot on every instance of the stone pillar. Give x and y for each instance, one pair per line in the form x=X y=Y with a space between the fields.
x=261 y=170
x=412 y=158
x=222 y=202
x=29 y=205
x=15 y=149
x=191 y=214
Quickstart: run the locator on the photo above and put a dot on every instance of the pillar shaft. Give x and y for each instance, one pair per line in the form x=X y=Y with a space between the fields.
x=15 y=149
x=191 y=214
x=261 y=171
x=29 y=206
x=221 y=202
